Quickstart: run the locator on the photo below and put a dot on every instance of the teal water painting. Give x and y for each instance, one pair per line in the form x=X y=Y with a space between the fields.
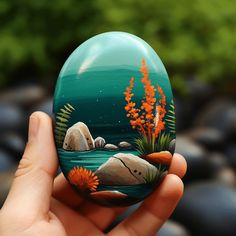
x=114 y=119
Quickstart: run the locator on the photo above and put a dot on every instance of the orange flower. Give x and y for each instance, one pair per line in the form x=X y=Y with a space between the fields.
x=132 y=112
x=160 y=112
x=83 y=179
x=147 y=104
x=147 y=123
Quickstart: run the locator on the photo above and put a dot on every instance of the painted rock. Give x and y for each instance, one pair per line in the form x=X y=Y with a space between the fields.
x=125 y=169
x=114 y=119
x=78 y=138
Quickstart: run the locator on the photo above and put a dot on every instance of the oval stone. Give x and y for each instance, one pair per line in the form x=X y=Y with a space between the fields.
x=114 y=119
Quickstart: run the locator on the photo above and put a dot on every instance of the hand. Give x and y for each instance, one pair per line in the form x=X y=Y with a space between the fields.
x=39 y=205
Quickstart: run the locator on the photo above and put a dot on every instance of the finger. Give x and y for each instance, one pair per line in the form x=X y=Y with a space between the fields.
x=31 y=189
x=74 y=223
x=154 y=211
x=178 y=165
x=101 y=216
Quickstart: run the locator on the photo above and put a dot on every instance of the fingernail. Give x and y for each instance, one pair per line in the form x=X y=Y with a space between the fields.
x=33 y=127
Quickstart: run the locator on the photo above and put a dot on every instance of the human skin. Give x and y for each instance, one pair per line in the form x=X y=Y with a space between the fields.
x=40 y=204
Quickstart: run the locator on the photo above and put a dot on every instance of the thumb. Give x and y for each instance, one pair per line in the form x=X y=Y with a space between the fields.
x=32 y=187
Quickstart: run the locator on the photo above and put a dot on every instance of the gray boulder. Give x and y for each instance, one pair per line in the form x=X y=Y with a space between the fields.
x=6 y=179
x=111 y=147
x=78 y=138
x=46 y=106
x=230 y=153
x=25 y=96
x=6 y=161
x=12 y=118
x=125 y=169
x=99 y=142
x=124 y=145
x=13 y=143
x=226 y=176
x=208 y=209
x=209 y=137
x=196 y=157
x=220 y=114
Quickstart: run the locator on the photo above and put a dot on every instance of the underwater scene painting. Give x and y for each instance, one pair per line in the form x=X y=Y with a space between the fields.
x=114 y=119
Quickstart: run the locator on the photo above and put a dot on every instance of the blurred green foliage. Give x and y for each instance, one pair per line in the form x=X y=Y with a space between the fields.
x=193 y=38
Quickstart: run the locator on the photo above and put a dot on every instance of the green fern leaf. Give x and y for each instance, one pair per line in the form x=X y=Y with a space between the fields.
x=63 y=129
x=70 y=106
x=170 y=118
x=63 y=115
x=60 y=133
x=61 y=124
x=64 y=111
x=61 y=119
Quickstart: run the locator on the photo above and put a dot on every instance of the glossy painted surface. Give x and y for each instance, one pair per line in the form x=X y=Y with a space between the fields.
x=114 y=86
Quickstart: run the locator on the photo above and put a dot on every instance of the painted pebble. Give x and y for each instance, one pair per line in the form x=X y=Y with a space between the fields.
x=114 y=119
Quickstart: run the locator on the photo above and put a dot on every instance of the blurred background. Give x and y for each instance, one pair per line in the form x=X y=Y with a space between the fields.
x=196 y=41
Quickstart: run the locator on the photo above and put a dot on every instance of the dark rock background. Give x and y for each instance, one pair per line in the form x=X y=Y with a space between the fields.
x=196 y=41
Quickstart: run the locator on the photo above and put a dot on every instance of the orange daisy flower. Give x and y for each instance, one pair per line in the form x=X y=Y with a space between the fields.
x=83 y=179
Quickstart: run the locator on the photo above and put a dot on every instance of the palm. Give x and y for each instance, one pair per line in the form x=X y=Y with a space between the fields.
x=43 y=227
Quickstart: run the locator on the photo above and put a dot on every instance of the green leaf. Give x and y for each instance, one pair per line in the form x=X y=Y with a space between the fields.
x=63 y=115
x=172 y=112
x=64 y=111
x=172 y=121
x=61 y=128
x=67 y=108
x=163 y=142
x=61 y=119
x=170 y=117
x=59 y=138
x=60 y=133
x=152 y=177
x=70 y=106
x=61 y=124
